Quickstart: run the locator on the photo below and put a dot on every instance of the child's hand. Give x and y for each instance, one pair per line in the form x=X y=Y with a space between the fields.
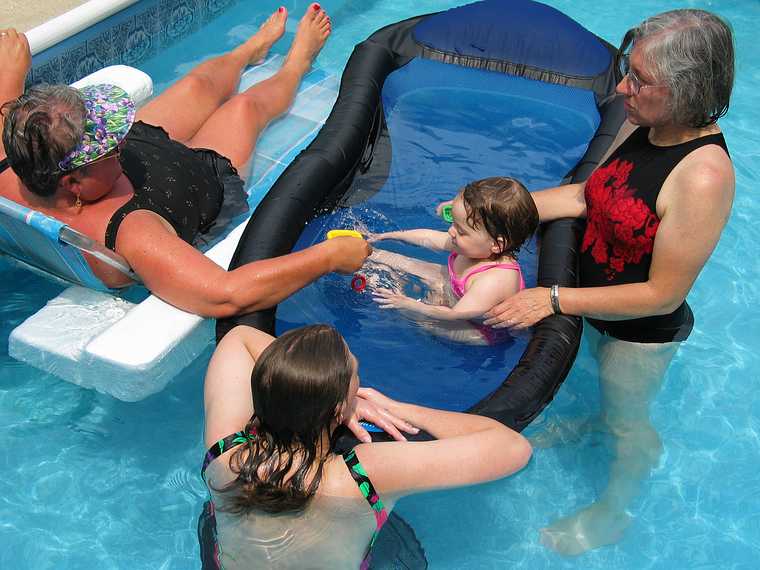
x=439 y=208
x=372 y=238
x=388 y=299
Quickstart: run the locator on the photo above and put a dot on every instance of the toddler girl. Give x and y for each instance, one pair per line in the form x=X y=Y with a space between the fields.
x=492 y=218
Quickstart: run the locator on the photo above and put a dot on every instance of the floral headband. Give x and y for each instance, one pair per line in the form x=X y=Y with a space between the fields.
x=110 y=113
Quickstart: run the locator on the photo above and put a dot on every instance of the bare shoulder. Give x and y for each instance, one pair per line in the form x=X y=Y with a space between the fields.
x=502 y=280
x=384 y=463
x=228 y=404
x=137 y=224
x=705 y=176
x=707 y=166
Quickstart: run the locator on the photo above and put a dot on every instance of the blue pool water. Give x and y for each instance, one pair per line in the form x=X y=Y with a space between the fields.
x=442 y=135
x=91 y=482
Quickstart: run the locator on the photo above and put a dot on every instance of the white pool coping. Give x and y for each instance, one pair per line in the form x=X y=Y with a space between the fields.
x=72 y=22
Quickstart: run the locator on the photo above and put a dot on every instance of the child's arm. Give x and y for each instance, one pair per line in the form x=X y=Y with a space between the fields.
x=432 y=239
x=486 y=290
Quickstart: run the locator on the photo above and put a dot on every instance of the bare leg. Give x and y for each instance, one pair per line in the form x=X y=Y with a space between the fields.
x=435 y=278
x=183 y=108
x=232 y=130
x=630 y=375
x=459 y=331
x=432 y=274
x=567 y=431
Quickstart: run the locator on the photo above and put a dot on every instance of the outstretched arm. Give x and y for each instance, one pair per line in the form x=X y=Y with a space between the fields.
x=431 y=239
x=180 y=275
x=15 y=62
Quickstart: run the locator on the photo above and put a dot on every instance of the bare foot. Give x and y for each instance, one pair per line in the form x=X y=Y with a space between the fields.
x=258 y=45
x=311 y=35
x=587 y=529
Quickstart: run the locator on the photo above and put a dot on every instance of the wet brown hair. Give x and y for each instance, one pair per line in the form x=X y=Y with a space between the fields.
x=298 y=384
x=505 y=210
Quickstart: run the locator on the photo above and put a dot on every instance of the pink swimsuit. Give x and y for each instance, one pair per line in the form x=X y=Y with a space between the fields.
x=457 y=284
x=492 y=336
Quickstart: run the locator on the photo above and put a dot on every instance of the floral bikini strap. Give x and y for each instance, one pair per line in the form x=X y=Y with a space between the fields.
x=368 y=491
x=237 y=438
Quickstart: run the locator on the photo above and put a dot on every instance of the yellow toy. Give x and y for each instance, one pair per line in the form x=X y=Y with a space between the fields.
x=344 y=233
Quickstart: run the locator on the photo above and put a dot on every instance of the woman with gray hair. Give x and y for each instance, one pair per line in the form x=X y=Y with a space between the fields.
x=655 y=209
x=146 y=183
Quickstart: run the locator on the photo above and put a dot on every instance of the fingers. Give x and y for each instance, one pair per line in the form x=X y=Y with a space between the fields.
x=388 y=293
x=382 y=418
x=522 y=310
x=439 y=208
x=505 y=319
x=386 y=298
x=358 y=430
x=390 y=429
x=370 y=394
x=399 y=424
x=349 y=253
x=498 y=315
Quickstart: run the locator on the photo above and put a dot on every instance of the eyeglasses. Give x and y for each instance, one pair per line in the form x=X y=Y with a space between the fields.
x=636 y=83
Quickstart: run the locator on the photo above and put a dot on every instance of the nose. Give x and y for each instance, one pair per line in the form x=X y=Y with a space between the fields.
x=452 y=231
x=624 y=86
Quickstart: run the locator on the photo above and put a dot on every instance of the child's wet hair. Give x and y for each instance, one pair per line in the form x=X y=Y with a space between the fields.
x=503 y=207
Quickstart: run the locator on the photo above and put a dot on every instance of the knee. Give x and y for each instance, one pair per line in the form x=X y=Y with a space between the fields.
x=641 y=442
x=196 y=85
x=248 y=109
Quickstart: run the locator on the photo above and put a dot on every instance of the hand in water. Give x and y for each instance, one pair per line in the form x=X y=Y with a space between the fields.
x=372 y=238
x=388 y=299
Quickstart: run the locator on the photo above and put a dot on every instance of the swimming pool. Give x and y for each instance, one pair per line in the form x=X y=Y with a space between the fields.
x=93 y=482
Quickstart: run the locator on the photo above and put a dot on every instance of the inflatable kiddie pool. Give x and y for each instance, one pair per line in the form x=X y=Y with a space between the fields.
x=425 y=106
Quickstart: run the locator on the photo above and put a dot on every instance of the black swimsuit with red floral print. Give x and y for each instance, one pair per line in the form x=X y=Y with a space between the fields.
x=621 y=223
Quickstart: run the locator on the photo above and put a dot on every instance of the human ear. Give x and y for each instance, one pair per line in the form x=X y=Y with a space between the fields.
x=498 y=245
x=71 y=183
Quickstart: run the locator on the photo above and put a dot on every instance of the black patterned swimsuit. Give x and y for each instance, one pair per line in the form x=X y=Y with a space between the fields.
x=184 y=186
x=621 y=224
x=358 y=474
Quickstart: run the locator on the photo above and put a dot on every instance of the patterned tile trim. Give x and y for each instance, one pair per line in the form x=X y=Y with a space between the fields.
x=128 y=37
